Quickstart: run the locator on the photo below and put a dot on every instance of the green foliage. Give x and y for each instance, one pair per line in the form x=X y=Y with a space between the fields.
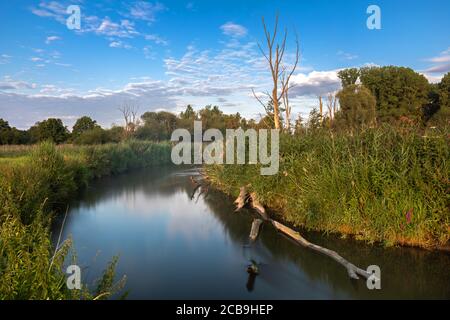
x=348 y=76
x=92 y=136
x=398 y=91
x=82 y=125
x=11 y=135
x=366 y=184
x=357 y=107
x=50 y=129
x=32 y=190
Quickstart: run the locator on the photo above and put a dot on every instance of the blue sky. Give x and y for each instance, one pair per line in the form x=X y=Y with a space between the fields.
x=162 y=55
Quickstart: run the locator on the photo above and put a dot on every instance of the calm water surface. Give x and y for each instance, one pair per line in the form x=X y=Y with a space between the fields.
x=173 y=247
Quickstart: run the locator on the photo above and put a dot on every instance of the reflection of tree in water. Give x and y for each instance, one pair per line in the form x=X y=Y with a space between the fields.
x=406 y=273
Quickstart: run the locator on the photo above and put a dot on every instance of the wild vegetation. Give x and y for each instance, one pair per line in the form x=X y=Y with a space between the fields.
x=33 y=190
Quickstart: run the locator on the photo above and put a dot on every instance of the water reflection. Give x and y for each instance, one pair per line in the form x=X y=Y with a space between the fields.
x=172 y=246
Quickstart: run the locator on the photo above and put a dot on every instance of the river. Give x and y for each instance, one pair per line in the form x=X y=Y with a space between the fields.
x=173 y=247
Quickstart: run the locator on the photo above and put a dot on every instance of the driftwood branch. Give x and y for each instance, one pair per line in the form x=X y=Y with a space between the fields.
x=352 y=270
x=244 y=198
x=256 y=224
x=241 y=200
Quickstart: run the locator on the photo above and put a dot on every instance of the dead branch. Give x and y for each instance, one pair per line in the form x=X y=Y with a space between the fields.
x=256 y=224
x=243 y=198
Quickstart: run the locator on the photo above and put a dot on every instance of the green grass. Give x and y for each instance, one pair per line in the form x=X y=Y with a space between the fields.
x=35 y=184
x=381 y=184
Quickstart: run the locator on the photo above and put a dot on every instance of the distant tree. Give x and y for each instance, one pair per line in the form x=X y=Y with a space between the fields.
x=5 y=132
x=129 y=112
x=280 y=72
x=115 y=134
x=92 y=136
x=51 y=129
x=399 y=92
x=444 y=91
x=83 y=124
x=157 y=126
x=189 y=113
x=441 y=116
x=348 y=76
x=357 y=107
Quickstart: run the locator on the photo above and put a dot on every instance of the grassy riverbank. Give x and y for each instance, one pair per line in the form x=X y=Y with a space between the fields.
x=35 y=184
x=382 y=184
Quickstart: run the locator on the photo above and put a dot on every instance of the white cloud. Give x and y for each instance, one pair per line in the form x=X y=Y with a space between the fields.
x=5 y=59
x=119 y=44
x=156 y=39
x=233 y=29
x=146 y=11
x=440 y=66
x=314 y=83
x=23 y=110
x=124 y=29
x=346 y=55
x=51 y=39
x=51 y=9
x=36 y=59
x=10 y=84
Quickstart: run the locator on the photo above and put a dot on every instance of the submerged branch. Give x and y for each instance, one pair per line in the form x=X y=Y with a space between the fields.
x=244 y=198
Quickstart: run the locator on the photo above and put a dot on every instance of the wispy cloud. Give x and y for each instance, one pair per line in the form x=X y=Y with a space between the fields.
x=50 y=39
x=9 y=84
x=5 y=58
x=233 y=29
x=440 y=66
x=124 y=29
x=346 y=55
x=119 y=44
x=156 y=39
x=146 y=11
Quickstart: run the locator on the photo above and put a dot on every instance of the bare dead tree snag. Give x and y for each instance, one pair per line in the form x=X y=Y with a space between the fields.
x=274 y=56
x=320 y=108
x=352 y=270
x=129 y=113
x=256 y=224
x=331 y=106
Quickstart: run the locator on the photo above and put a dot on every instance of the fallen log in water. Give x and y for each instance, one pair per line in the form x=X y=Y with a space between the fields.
x=256 y=224
x=352 y=270
x=243 y=198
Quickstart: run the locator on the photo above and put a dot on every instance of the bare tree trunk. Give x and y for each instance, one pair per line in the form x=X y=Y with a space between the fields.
x=352 y=270
x=274 y=57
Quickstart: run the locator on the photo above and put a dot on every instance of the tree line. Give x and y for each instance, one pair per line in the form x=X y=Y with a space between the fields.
x=369 y=96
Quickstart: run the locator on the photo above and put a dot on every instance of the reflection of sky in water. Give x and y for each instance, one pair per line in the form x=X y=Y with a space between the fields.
x=173 y=247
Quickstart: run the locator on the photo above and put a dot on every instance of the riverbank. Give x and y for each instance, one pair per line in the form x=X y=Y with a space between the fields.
x=379 y=185
x=36 y=184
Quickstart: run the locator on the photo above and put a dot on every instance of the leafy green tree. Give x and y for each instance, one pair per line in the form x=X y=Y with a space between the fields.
x=357 y=107
x=444 y=91
x=189 y=113
x=115 y=134
x=441 y=115
x=92 y=136
x=399 y=92
x=83 y=124
x=348 y=76
x=51 y=129
x=5 y=132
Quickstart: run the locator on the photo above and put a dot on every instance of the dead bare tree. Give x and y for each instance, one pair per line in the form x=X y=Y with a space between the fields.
x=129 y=112
x=331 y=106
x=278 y=70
